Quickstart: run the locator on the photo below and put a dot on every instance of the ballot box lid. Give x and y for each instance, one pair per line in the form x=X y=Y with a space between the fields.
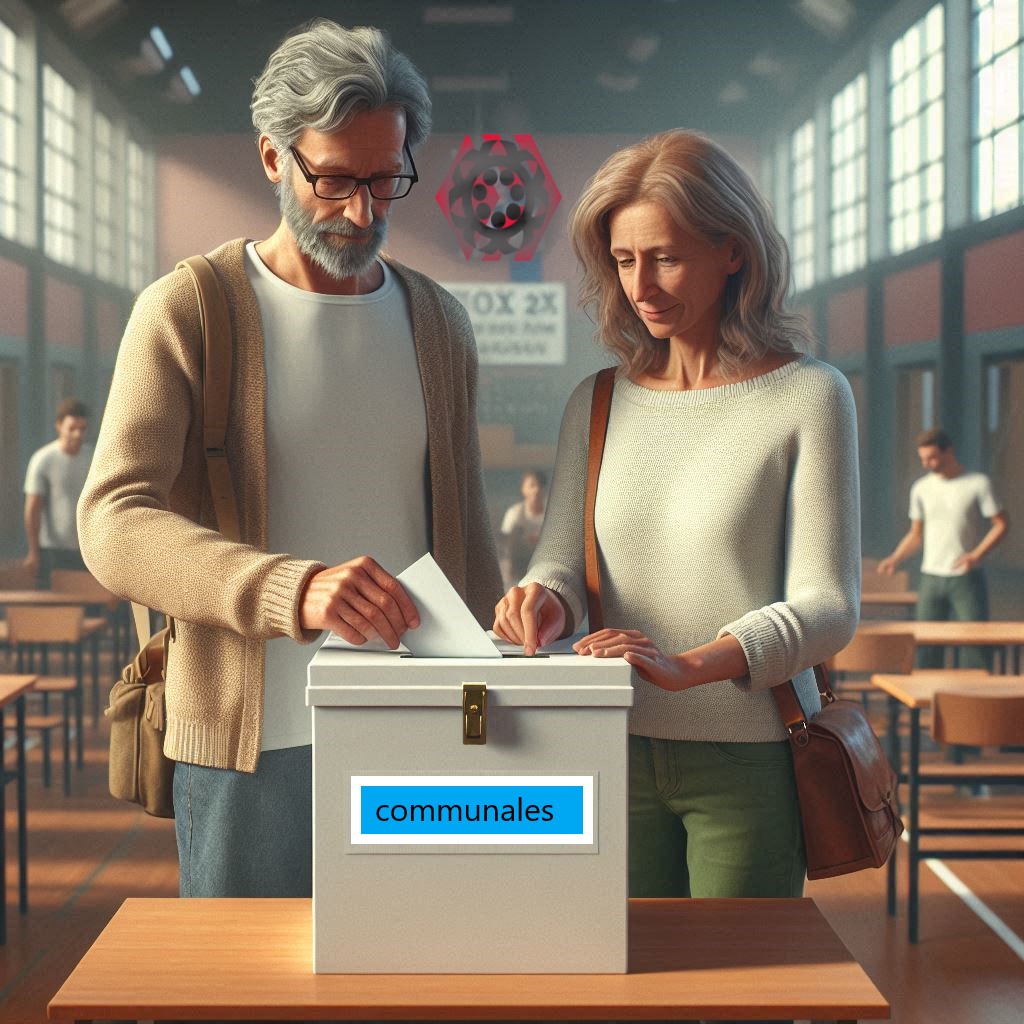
x=345 y=678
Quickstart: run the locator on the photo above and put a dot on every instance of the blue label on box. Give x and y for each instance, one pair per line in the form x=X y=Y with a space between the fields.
x=472 y=809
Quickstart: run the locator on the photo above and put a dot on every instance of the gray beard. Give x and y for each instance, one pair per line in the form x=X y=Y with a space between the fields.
x=340 y=260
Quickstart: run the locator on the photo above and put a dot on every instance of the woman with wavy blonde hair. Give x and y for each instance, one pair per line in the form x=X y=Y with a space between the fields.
x=727 y=515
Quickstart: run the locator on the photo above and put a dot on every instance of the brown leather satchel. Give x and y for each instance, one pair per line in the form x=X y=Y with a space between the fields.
x=139 y=770
x=849 y=807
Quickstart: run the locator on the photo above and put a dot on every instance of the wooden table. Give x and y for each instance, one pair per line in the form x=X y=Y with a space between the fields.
x=1008 y=635
x=162 y=959
x=916 y=693
x=12 y=691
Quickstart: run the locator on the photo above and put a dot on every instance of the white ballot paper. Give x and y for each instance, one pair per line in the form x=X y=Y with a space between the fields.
x=447 y=628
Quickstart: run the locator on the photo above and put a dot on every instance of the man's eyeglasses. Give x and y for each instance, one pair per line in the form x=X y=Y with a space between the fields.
x=341 y=186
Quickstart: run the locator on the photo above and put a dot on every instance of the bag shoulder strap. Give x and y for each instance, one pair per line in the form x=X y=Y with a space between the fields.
x=600 y=405
x=217 y=352
x=788 y=703
x=215 y=322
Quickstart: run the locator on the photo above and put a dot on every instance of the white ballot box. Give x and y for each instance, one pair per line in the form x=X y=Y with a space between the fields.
x=469 y=815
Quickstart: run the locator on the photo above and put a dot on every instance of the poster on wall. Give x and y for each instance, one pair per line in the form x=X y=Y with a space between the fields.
x=516 y=324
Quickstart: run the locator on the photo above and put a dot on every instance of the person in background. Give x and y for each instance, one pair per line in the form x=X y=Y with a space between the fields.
x=957 y=520
x=54 y=481
x=727 y=515
x=349 y=368
x=520 y=529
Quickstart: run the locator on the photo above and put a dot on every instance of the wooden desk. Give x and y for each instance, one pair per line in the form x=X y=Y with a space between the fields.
x=715 y=959
x=1009 y=635
x=12 y=691
x=916 y=692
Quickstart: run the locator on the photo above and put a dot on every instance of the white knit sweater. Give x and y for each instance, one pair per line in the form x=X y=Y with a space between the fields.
x=733 y=509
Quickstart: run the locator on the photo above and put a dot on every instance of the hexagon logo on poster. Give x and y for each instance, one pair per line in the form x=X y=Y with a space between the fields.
x=499 y=197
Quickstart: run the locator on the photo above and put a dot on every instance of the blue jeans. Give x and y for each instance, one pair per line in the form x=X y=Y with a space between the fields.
x=246 y=835
x=960 y=599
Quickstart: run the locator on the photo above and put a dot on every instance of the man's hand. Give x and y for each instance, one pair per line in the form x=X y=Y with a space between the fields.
x=532 y=616
x=651 y=663
x=887 y=566
x=359 y=601
x=967 y=562
x=31 y=562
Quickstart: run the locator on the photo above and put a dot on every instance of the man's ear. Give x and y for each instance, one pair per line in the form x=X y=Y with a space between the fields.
x=271 y=158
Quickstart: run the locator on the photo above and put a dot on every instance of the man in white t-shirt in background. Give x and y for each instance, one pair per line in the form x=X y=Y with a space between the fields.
x=54 y=481
x=957 y=519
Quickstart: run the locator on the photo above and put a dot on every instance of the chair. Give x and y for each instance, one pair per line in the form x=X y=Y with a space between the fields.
x=990 y=715
x=33 y=629
x=867 y=654
x=84 y=584
x=14 y=576
x=874 y=582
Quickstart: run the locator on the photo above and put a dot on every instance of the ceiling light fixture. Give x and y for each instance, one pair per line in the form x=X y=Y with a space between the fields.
x=190 y=80
x=451 y=14
x=470 y=83
x=830 y=17
x=163 y=47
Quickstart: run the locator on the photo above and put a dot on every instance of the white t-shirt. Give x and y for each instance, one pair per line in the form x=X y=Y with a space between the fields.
x=59 y=478
x=955 y=514
x=346 y=450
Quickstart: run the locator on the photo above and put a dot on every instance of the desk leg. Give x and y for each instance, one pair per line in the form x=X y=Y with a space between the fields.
x=913 y=787
x=22 y=808
x=895 y=757
x=94 y=645
x=3 y=838
x=893 y=736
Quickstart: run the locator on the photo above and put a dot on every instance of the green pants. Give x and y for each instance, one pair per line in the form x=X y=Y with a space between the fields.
x=958 y=599
x=713 y=820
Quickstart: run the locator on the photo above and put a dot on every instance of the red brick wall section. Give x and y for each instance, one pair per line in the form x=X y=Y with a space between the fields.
x=993 y=296
x=14 y=308
x=63 y=313
x=913 y=305
x=109 y=325
x=846 y=330
x=211 y=189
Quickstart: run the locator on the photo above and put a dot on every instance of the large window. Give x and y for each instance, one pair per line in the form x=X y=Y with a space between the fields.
x=996 y=115
x=10 y=133
x=916 y=127
x=104 y=197
x=802 y=205
x=139 y=215
x=61 y=171
x=849 y=177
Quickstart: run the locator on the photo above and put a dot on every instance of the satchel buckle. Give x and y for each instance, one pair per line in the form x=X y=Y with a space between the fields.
x=798 y=733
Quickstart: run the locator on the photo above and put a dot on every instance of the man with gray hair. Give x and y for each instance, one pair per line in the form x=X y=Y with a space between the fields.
x=352 y=444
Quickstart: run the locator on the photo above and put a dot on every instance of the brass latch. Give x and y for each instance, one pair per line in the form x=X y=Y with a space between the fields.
x=474 y=712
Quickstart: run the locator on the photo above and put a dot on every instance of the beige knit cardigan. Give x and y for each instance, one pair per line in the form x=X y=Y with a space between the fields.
x=146 y=521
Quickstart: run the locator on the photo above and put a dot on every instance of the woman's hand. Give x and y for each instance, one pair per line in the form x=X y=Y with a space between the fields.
x=664 y=670
x=532 y=616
